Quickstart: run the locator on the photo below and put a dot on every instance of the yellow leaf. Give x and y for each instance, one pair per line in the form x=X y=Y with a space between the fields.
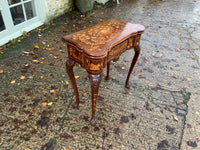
x=27 y=149
x=161 y=55
x=26 y=65
x=1 y=71
x=49 y=104
x=189 y=79
x=35 y=61
x=22 y=77
x=36 y=47
x=52 y=91
x=41 y=77
x=123 y=68
x=35 y=127
x=67 y=82
x=76 y=77
x=12 y=82
x=42 y=58
x=153 y=54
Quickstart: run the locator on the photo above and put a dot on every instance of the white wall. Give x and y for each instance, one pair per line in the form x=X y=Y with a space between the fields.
x=102 y=1
x=54 y=8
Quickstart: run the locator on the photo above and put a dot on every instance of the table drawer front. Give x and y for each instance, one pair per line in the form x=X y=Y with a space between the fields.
x=75 y=54
x=118 y=49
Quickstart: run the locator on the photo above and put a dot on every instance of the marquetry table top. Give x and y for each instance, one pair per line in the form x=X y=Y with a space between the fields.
x=97 y=40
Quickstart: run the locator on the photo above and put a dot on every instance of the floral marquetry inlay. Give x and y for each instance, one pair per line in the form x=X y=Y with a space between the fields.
x=96 y=40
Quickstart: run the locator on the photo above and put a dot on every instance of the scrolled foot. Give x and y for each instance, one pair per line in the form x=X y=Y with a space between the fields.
x=127 y=86
x=106 y=78
x=75 y=105
x=93 y=122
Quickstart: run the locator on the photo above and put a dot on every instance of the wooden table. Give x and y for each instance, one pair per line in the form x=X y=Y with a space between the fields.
x=93 y=48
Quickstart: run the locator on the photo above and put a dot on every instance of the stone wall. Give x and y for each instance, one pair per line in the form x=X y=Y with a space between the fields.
x=55 y=8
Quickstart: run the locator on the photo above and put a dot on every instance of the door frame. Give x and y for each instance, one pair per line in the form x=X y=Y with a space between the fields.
x=13 y=31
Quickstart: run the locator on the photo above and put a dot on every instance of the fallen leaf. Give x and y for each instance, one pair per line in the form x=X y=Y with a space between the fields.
x=181 y=48
x=161 y=55
x=42 y=58
x=27 y=149
x=61 y=51
x=189 y=79
x=41 y=62
x=175 y=118
x=41 y=77
x=35 y=127
x=55 y=57
x=76 y=77
x=50 y=103
x=113 y=78
x=67 y=149
x=197 y=113
x=1 y=71
x=123 y=68
x=198 y=139
x=175 y=76
x=44 y=104
x=139 y=74
x=106 y=106
x=52 y=91
x=189 y=50
x=67 y=82
x=22 y=77
x=32 y=53
x=84 y=94
x=35 y=61
x=36 y=47
x=12 y=82
x=33 y=68
x=153 y=54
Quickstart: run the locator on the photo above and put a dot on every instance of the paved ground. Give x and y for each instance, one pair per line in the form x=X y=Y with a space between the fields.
x=160 y=111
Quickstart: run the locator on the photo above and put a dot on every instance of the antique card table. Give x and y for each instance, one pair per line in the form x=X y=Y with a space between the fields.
x=95 y=47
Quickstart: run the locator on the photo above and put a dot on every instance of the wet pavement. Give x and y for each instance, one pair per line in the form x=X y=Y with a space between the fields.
x=159 y=111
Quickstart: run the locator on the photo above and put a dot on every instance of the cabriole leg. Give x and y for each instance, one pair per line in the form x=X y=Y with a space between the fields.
x=69 y=67
x=95 y=81
x=137 y=52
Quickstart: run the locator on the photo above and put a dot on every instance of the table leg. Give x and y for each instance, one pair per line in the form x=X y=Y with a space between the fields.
x=95 y=81
x=137 y=52
x=69 y=67
x=108 y=71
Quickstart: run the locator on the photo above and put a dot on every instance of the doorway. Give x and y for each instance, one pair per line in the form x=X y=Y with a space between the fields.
x=17 y=16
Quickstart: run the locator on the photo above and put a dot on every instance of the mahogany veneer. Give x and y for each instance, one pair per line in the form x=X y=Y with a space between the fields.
x=93 y=48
